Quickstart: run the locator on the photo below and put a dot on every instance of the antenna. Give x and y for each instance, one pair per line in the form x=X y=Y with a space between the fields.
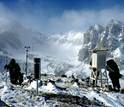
x=27 y=47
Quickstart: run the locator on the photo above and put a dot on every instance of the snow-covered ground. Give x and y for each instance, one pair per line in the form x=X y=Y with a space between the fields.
x=26 y=96
x=53 y=64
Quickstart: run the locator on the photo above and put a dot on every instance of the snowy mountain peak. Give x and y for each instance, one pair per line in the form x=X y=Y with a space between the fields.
x=98 y=27
x=116 y=22
x=111 y=37
x=92 y=34
x=14 y=36
x=72 y=37
x=4 y=21
x=11 y=25
x=116 y=28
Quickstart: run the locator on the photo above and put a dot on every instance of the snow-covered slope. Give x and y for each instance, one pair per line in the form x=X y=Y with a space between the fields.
x=66 y=46
x=14 y=35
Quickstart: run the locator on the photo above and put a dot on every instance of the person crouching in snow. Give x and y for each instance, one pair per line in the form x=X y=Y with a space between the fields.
x=114 y=73
x=16 y=76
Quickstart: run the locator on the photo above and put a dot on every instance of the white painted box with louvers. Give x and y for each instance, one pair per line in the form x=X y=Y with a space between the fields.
x=99 y=59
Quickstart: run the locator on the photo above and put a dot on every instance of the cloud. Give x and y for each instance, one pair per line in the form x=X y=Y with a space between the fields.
x=5 y=12
x=81 y=20
x=28 y=14
x=52 y=19
x=115 y=13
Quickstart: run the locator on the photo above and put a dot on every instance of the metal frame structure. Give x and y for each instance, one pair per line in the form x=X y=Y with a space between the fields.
x=98 y=67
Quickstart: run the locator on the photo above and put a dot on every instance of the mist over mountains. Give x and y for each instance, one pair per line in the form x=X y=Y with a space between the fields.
x=61 y=53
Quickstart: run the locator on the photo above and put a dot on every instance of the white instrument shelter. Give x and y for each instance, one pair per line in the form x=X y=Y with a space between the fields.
x=98 y=64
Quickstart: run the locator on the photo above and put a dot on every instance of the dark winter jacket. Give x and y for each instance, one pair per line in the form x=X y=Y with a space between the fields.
x=115 y=74
x=14 y=70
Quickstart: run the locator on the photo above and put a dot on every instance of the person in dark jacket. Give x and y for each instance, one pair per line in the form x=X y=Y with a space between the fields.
x=16 y=76
x=114 y=73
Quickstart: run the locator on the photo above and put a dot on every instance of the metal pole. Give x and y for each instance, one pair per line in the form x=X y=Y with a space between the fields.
x=26 y=59
x=6 y=69
x=37 y=87
x=26 y=63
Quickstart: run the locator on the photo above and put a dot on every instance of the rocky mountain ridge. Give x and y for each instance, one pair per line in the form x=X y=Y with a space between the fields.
x=111 y=37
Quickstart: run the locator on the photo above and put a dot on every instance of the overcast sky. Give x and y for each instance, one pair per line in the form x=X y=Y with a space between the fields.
x=54 y=16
